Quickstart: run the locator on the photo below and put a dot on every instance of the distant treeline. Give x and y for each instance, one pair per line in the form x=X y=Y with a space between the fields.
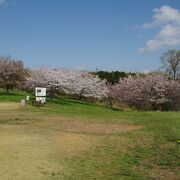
x=114 y=76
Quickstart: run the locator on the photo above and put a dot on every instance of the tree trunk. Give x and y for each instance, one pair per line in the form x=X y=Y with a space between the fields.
x=80 y=95
x=110 y=102
x=7 y=90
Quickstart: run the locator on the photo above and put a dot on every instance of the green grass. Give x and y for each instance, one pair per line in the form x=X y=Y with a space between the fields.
x=69 y=139
x=14 y=96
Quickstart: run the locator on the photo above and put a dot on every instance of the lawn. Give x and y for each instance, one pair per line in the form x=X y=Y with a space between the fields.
x=70 y=139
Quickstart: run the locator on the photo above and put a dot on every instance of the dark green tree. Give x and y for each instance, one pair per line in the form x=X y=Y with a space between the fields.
x=114 y=76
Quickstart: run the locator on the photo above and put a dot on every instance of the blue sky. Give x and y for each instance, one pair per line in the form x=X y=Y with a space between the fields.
x=125 y=35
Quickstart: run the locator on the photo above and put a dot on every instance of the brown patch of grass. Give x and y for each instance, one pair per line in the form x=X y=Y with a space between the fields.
x=8 y=106
x=168 y=146
x=73 y=144
x=78 y=126
x=98 y=128
x=160 y=173
x=25 y=155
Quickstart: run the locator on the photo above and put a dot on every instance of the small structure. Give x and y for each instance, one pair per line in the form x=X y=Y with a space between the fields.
x=40 y=96
x=23 y=102
x=27 y=98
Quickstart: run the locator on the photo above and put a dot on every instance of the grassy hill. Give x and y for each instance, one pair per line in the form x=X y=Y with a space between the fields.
x=69 y=139
x=13 y=96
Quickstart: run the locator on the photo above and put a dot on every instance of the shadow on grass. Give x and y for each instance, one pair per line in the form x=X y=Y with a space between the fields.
x=14 y=121
x=114 y=109
x=9 y=94
x=70 y=102
x=73 y=102
x=61 y=102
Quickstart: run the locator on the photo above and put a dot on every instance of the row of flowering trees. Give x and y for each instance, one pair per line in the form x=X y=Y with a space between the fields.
x=81 y=84
x=152 y=91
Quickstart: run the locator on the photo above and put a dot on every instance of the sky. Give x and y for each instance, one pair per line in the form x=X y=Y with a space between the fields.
x=124 y=35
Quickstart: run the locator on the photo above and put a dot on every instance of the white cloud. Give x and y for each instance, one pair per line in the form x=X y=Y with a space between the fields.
x=167 y=20
x=3 y=3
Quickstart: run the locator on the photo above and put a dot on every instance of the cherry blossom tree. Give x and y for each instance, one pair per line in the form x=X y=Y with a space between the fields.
x=88 y=85
x=151 y=91
x=12 y=72
x=173 y=94
x=51 y=79
x=83 y=84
